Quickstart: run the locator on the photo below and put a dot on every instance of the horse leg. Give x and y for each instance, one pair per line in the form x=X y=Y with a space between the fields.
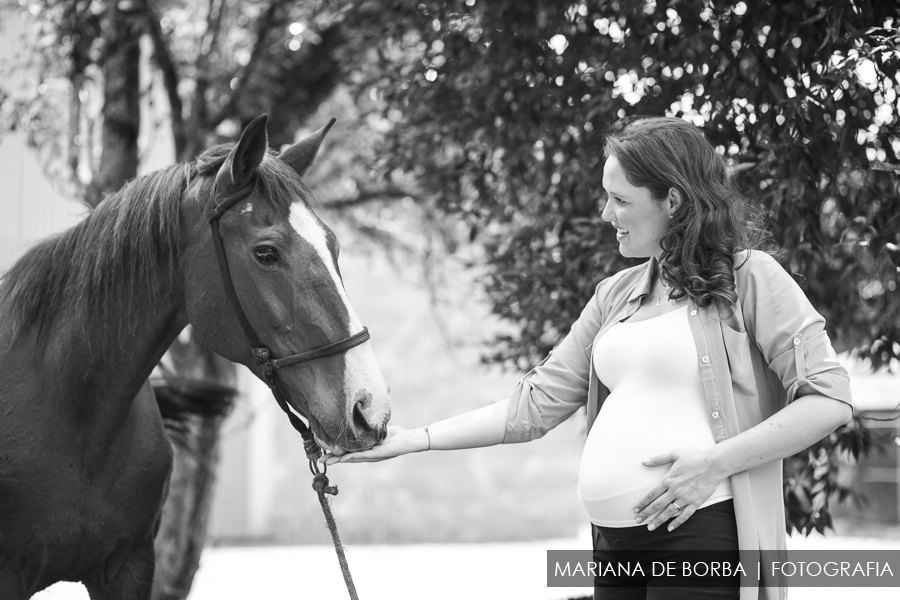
x=131 y=579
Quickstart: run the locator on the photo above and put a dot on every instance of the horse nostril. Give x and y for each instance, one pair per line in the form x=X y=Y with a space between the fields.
x=359 y=419
x=363 y=399
x=360 y=407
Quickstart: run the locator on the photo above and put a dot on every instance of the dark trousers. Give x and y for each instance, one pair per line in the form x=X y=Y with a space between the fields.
x=711 y=532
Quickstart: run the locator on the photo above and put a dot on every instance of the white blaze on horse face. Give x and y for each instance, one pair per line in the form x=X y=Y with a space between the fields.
x=308 y=227
x=362 y=375
x=247 y=209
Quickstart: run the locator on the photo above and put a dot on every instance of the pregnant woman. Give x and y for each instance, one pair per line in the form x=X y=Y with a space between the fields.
x=701 y=370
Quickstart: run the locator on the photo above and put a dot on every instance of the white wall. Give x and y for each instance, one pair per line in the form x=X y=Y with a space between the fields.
x=30 y=209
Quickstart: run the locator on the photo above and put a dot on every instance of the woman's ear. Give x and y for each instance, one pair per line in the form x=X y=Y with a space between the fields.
x=673 y=201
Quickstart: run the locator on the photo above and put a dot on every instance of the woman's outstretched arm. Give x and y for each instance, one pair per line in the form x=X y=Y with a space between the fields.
x=545 y=397
x=481 y=427
x=542 y=399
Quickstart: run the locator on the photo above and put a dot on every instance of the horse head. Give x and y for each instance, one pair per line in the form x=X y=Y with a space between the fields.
x=283 y=266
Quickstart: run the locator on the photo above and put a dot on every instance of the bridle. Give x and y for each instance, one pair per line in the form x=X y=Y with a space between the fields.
x=270 y=366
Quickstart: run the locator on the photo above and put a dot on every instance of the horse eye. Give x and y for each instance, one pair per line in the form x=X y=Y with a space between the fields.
x=266 y=255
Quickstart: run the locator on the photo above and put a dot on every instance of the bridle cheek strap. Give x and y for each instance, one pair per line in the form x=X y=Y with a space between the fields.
x=261 y=353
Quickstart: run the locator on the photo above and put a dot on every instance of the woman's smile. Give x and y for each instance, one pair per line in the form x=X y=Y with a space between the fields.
x=639 y=219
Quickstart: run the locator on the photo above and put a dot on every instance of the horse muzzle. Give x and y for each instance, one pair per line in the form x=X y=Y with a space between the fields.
x=362 y=431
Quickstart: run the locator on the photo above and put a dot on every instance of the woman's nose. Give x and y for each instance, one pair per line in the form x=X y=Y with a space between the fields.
x=606 y=211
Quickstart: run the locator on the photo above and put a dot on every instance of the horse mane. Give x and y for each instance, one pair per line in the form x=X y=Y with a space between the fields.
x=124 y=245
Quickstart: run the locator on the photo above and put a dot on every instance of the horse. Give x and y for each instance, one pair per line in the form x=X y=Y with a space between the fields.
x=86 y=315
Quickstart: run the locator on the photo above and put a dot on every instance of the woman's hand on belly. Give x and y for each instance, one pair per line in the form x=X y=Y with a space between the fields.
x=689 y=482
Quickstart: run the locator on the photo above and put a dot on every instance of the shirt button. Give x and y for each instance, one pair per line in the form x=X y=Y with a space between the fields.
x=715 y=414
x=694 y=313
x=704 y=359
x=796 y=341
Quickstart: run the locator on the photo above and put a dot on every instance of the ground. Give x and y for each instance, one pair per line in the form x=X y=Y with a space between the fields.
x=434 y=571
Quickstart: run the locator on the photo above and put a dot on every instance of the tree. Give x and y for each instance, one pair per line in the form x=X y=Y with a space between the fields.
x=499 y=109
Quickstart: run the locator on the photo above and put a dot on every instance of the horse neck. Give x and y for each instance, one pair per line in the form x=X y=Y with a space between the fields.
x=135 y=305
x=90 y=372
x=132 y=338
x=102 y=360
x=105 y=351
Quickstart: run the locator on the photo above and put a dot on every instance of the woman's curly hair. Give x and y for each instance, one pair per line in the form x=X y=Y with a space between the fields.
x=714 y=221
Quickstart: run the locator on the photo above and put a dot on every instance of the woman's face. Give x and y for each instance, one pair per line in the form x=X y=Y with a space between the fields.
x=640 y=221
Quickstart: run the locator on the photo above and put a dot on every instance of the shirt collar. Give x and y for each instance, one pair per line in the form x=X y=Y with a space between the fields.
x=646 y=282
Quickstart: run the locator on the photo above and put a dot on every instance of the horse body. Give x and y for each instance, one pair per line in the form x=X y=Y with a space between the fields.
x=84 y=318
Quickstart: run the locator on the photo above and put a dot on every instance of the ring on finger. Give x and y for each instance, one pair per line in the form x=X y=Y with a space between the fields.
x=677 y=508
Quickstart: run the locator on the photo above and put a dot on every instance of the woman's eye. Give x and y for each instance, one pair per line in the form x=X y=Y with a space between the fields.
x=267 y=255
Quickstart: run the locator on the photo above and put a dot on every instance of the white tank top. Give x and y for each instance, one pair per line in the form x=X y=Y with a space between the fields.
x=656 y=404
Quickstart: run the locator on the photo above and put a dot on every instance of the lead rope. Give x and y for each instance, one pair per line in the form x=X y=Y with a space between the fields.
x=320 y=484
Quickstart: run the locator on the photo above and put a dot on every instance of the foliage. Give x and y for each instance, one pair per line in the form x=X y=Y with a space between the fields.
x=812 y=476
x=499 y=108
x=219 y=64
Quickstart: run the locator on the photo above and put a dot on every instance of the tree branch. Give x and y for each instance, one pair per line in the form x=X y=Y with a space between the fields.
x=387 y=192
x=79 y=59
x=265 y=25
x=213 y=26
x=74 y=125
x=121 y=101
x=171 y=78
x=200 y=124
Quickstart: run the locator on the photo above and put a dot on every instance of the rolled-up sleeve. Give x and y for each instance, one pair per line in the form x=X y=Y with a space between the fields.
x=789 y=332
x=556 y=388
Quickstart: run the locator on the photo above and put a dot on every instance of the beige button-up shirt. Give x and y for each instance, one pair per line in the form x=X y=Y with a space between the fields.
x=752 y=363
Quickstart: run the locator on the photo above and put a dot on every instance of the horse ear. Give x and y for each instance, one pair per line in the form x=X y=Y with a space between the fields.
x=301 y=155
x=246 y=155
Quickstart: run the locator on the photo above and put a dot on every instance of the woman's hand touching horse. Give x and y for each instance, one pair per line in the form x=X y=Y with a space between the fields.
x=399 y=441
x=485 y=426
x=689 y=483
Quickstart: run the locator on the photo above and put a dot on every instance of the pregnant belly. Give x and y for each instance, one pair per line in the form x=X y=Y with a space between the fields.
x=611 y=461
x=629 y=429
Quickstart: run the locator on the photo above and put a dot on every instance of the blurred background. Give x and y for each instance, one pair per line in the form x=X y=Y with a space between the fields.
x=462 y=179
